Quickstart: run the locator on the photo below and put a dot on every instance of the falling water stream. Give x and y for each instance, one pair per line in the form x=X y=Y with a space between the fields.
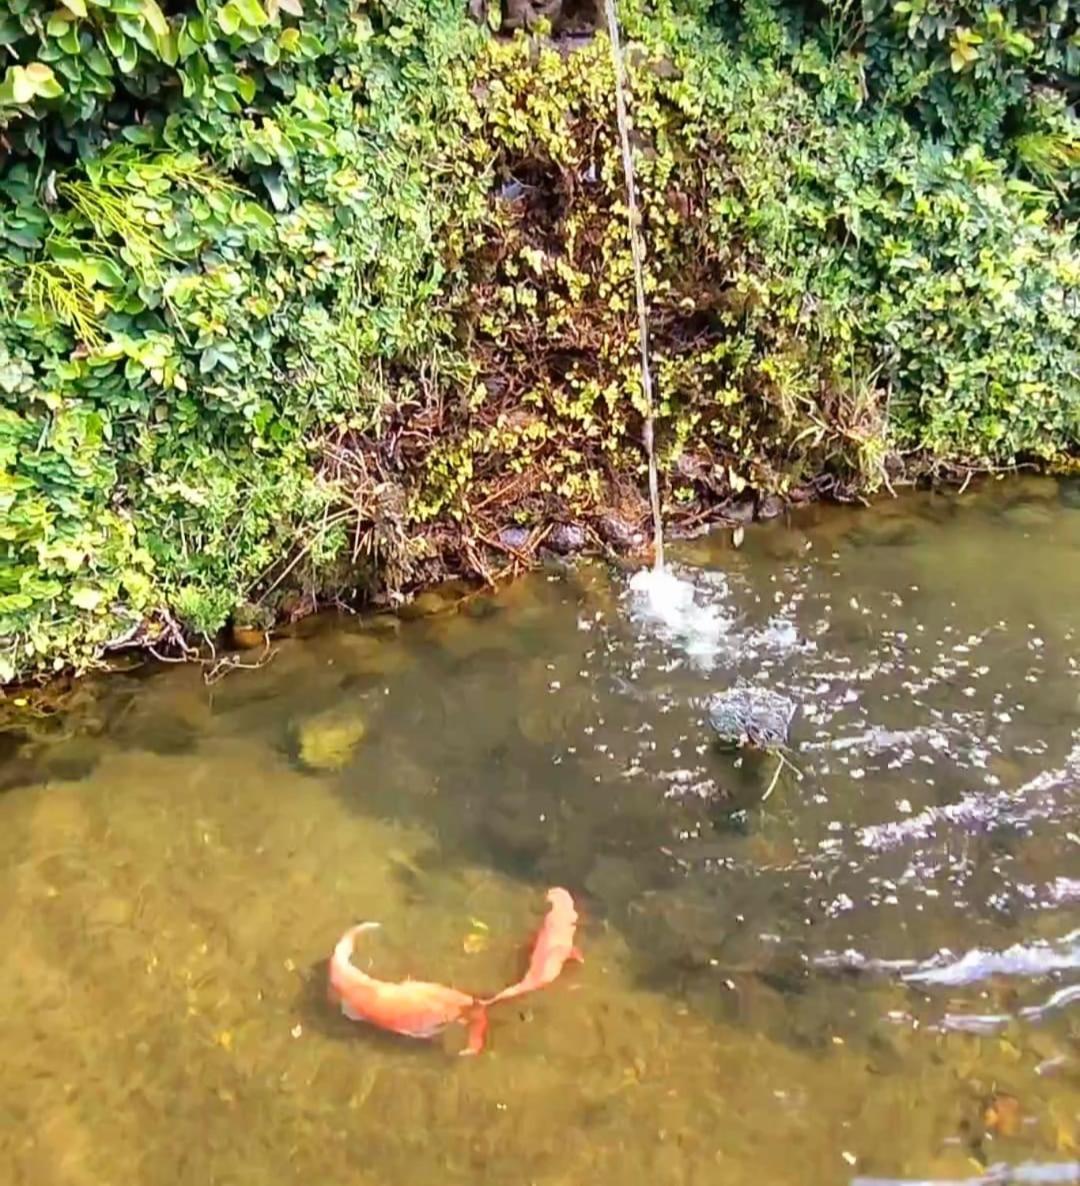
x=661 y=597
x=637 y=252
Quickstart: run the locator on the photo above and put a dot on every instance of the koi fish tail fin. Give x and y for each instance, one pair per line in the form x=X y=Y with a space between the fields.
x=476 y=1019
x=575 y=954
x=509 y=993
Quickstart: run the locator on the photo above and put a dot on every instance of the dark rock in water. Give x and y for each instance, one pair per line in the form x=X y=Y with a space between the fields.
x=515 y=829
x=770 y=507
x=565 y=538
x=618 y=532
x=740 y=512
x=751 y=716
x=1069 y=493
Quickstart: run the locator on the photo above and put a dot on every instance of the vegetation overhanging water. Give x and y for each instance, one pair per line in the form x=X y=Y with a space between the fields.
x=870 y=976
x=304 y=301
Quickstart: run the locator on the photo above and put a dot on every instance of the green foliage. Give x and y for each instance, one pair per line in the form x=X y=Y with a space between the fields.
x=1005 y=75
x=246 y=235
x=294 y=292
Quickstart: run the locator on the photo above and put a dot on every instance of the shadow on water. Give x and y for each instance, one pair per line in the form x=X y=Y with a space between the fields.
x=770 y=988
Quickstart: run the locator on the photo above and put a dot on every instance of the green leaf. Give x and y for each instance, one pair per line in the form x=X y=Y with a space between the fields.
x=77 y=7
x=155 y=18
x=229 y=19
x=104 y=271
x=44 y=81
x=22 y=87
x=59 y=24
x=254 y=213
x=276 y=188
x=129 y=59
x=87 y=598
x=116 y=41
x=12 y=603
x=251 y=12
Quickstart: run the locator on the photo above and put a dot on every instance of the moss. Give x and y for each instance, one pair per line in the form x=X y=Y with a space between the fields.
x=328 y=740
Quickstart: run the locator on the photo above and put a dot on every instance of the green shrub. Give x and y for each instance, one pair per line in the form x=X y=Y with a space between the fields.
x=312 y=296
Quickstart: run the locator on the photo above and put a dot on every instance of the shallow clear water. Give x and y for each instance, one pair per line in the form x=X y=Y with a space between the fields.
x=872 y=973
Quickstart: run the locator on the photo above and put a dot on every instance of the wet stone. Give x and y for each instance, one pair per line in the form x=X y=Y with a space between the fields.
x=740 y=512
x=1029 y=516
x=327 y=740
x=752 y=716
x=1069 y=493
x=514 y=538
x=425 y=605
x=565 y=538
x=770 y=507
x=619 y=533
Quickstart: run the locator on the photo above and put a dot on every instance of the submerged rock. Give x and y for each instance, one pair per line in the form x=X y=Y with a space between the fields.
x=327 y=740
x=770 y=507
x=751 y=716
x=1069 y=493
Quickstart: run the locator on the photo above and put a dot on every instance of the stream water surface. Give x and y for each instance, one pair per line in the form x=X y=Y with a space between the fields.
x=869 y=974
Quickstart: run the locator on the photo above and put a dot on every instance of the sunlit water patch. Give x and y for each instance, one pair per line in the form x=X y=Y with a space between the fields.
x=869 y=975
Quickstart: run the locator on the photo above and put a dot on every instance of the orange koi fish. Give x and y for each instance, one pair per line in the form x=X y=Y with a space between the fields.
x=553 y=947
x=414 y=1008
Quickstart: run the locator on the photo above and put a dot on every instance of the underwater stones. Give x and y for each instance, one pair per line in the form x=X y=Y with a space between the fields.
x=70 y=759
x=1029 y=516
x=367 y=654
x=1069 y=493
x=515 y=826
x=248 y=638
x=614 y=880
x=752 y=716
x=326 y=741
x=426 y=605
x=770 y=507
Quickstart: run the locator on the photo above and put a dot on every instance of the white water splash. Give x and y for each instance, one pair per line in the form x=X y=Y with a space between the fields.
x=671 y=603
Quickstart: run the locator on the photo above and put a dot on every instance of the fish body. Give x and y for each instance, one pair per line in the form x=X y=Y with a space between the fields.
x=414 y=1008
x=554 y=945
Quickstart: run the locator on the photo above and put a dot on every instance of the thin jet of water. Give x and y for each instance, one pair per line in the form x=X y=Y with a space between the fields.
x=638 y=254
x=669 y=599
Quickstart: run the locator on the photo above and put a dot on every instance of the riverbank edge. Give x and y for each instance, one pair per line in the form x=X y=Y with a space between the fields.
x=621 y=538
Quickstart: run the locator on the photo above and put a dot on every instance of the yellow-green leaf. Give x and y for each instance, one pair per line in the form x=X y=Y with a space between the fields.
x=77 y=7
x=229 y=19
x=251 y=12
x=86 y=598
x=22 y=86
x=154 y=17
